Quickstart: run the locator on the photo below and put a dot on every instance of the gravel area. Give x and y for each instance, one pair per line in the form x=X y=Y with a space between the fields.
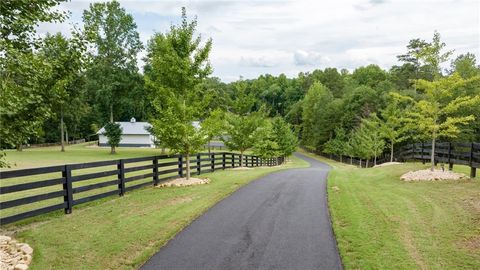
x=428 y=175
x=14 y=255
x=181 y=182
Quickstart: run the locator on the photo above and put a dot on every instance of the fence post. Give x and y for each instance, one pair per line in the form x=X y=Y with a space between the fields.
x=212 y=160
x=223 y=161
x=473 y=171
x=233 y=160
x=155 y=171
x=423 y=160
x=67 y=187
x=180 y=166
x=199 y=164
x=450 y=164
x=256 y=160
x=121 y=177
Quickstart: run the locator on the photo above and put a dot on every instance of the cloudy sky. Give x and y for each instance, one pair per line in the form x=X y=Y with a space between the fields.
x=257 y=37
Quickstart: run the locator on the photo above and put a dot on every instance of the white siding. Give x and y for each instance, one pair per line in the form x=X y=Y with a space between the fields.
x=130 y=139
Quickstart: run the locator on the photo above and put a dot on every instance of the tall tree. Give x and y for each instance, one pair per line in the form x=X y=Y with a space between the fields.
x=433 y=56
x=284 y=136
x=214 y=126
x=113 y=33
x=465 y=65
x=65 y=57
x=240 y=130
x=179 y=63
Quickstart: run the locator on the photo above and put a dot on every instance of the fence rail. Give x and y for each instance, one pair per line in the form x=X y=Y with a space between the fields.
x=72 y=184
x=450 y=153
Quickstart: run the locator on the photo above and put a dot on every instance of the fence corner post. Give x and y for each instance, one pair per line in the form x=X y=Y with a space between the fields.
x=223 y=161
x=199 y=164
x=180 y=166
x=67 y=187
x=155 y=171
x=121 y=176
x=212 y=160
x=450 y=163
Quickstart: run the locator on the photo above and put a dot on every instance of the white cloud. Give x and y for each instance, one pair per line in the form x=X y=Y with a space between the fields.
x=255 y=37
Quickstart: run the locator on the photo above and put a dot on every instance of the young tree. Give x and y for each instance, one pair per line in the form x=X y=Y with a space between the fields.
x=337 y=145
x=372 y=136
x=265 y=141
x=240 y=131
x=393 y=127
x=442 y=112
x=113 y=131
x=178 y=64
x=113 y=33
x=284 y=136
x=214 y=125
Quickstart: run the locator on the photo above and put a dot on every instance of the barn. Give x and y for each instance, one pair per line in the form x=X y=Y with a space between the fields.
x=134 y=134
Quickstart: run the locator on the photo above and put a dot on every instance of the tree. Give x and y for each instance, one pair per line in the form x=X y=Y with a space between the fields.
x=265 y=141
x=214 y=125
x=442 y=112
x=284 y=136
x=113 y=33
x=413 y=55
x=65 y=57
x=466 y=66
x=240 y=131
x=392 y=126
x=432 y=55
x=19 y=19
x=316 y=116
x=372 y=137
x=337 y=145
x=178 y=64
x=113 y=131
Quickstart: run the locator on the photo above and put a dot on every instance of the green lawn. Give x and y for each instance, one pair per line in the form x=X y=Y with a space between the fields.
x=122 y=233
x=383 y=223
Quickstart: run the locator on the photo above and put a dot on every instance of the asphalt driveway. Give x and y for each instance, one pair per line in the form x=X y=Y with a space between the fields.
x=280 y=221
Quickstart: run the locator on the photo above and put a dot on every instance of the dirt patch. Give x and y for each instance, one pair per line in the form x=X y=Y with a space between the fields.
x=14 y=255
x=428 y=175
x=387 y=164
x=182 y=182
x=472 y=243
x=335 y=188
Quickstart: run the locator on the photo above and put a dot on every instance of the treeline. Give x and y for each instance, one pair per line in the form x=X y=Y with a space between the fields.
x=56 y=88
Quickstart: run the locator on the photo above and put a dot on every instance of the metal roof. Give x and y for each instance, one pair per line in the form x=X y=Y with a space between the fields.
x=133 y=128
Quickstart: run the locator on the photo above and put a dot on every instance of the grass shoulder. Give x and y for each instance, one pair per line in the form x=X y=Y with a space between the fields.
x=381 y=222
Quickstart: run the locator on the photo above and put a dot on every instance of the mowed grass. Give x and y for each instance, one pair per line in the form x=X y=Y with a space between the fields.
x=381 y=222
x=123 y=232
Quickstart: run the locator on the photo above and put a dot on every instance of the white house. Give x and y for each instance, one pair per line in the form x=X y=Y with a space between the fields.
x=134 y=134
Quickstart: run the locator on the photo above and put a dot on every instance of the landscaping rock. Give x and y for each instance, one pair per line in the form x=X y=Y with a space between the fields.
x=14 y=255
x=428 y=175
x=181 y=182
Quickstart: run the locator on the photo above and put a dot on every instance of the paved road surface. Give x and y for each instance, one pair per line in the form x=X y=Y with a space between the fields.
x=280 y=221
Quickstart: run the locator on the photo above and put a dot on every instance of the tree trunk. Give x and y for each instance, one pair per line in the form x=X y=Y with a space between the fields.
x=208 y=146
x=19 y=147
x=341 y=158
x=351 y=161
x=187 y=163
x=66 y=136
x=391 y=152
x=111 y=113
x=366 y=164
x=432 y=156
x=112 y=149
x=163 y=150
x=375 y=160
x=360 y=162
x=62 y=141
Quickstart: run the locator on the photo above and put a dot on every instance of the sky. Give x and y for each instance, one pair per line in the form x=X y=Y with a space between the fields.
x=251 y=38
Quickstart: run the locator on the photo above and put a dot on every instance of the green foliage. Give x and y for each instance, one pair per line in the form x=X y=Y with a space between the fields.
x=265 y=142
x=19 y=19
x=113 y=34
x=178 y=64
x=240 y=131
x=466 y=66
x=113 y=131
x=339 y=144
x=284 y=136
x=214 y=125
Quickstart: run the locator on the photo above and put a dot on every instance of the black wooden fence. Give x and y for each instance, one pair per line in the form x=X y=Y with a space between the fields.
x=62 y=181
x=445 y=152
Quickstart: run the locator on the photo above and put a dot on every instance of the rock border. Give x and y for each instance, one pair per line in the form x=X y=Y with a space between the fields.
x=14 y=255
